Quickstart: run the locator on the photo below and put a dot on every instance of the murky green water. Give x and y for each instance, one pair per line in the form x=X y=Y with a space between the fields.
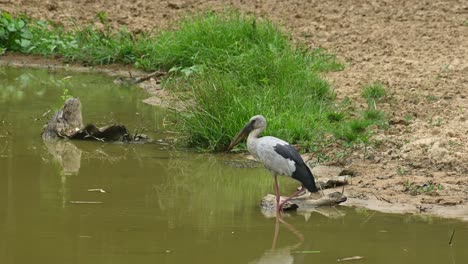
x=163 y=206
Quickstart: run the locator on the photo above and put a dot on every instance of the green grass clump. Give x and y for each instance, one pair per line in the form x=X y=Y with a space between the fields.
x=87 y=44
x=212 y=40
x=428 y=187
x=14 y=34
x=227 y=67
x=223 y=105
x=373 y=93
x=373 y=115
x=252 y=69
x=357 y=129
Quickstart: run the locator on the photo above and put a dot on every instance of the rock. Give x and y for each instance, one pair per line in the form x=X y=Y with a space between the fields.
x=398 y=121
x=347 y=172
x=384 y=177
x=334 y=182
x=176 y=4
x=302 y=203
x=51 y=6
x=322 y=171
x=437 y=152
x=449 y=201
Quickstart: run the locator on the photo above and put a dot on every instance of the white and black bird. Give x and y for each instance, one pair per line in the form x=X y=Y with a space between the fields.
x=277 y=155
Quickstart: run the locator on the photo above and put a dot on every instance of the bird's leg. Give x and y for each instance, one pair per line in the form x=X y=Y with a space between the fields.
x=277 y=194
x=275 y=236
x=292 y=196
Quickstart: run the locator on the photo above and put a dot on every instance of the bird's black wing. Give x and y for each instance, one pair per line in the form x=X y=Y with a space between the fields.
x=289 y=152
x=302 y=172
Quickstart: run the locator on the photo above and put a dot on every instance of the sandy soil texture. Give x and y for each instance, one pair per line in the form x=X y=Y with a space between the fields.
x=417 y=48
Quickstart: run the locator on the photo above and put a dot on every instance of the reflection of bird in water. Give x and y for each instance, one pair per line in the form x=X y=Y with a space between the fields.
x=280 y=255
x=279 y=157
x=277 y=256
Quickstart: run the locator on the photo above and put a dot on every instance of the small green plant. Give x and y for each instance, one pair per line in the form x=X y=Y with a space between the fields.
x=374 y=115
x=102 y=17
x=454 y=143
x=430 y=187
x=14 y=34
x=408 y=118
x=402 y=171
x=357 y=129
x=427 y=188
x=373 y=93
x=432 y=98
x=436 y=121
x=65 y=95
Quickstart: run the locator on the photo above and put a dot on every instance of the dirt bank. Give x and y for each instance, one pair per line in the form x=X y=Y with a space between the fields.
x=418 y=49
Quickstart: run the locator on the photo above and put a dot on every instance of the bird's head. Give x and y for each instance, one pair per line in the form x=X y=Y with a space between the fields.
x=256 y=122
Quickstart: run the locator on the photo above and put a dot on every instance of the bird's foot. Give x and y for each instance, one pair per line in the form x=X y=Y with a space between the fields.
x=290 y=206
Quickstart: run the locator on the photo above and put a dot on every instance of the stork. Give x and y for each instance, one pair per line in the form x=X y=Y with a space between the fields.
x=277 y=155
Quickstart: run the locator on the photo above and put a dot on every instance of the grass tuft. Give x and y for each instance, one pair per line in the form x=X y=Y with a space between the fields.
x=373 y=93
x=253 y=69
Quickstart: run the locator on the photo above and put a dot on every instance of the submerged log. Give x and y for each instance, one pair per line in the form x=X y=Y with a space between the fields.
x=107 y=133
x=67 y=123
x=302 y=203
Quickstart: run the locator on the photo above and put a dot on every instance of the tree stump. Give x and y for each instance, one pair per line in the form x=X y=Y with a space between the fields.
x=67 y=123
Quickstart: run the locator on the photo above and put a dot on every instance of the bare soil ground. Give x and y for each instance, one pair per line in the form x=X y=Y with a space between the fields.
x=417 y=48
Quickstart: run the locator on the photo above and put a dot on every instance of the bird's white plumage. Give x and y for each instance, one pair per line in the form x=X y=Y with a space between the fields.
x=263 y=150
x=277 y=156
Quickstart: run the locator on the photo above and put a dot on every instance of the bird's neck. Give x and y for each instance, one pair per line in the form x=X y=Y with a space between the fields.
x=254 y=135
x=251 y=142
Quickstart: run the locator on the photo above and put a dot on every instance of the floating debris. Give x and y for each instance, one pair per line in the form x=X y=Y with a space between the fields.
x=451 y=237
x=97 y=190
x=85 y=202
x=350 y=258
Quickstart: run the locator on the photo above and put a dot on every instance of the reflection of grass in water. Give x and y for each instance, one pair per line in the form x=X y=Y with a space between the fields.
x=205 y=190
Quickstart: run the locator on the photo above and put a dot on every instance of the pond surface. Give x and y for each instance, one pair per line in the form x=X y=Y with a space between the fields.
x=166 y=206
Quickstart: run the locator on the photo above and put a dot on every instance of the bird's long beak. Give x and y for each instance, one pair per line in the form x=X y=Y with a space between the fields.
x=241 y=135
